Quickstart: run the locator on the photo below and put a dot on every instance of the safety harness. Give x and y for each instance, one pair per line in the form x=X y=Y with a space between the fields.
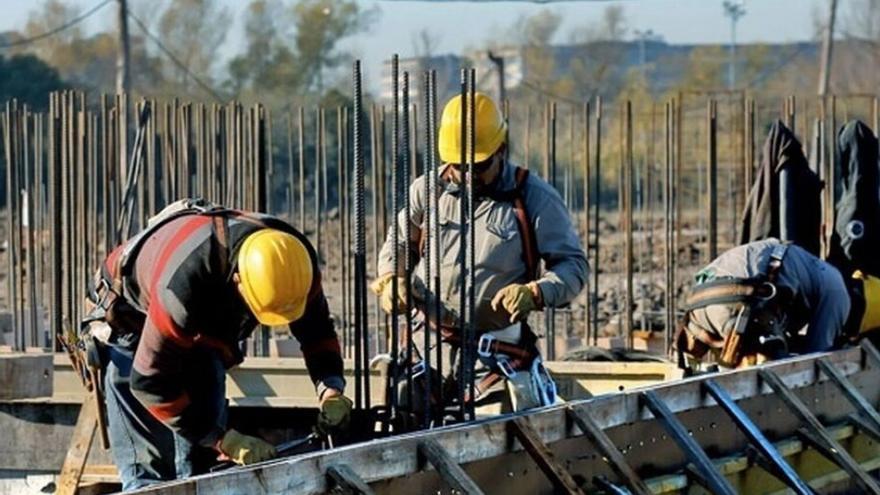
x=112 y=295
x=761 y=322
x=508 y=358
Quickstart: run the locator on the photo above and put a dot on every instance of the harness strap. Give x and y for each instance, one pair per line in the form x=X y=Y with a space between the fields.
x=524 y=226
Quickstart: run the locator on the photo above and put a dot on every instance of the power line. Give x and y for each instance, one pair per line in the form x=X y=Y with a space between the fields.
x=56 y=30
x=182 y=66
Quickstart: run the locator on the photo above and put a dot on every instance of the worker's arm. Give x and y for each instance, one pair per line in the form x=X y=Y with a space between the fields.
x=558 y=245
x=319 y=343
x=158 y=379
x=416 y=202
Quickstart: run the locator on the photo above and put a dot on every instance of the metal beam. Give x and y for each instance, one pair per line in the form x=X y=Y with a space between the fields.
x=348 y=481
x=858 y=401
x=776 y=463
x=711 y=477
x=447 y=468
x=816 y=434
x=609 y=452
x=543 y=456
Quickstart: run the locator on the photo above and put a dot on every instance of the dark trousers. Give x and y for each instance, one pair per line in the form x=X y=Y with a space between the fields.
x=145 y=450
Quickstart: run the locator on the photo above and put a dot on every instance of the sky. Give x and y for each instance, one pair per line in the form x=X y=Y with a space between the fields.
x=459 y=25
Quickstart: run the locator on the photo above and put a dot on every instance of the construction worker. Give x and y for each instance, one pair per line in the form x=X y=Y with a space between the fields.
x=519 y=219
x=173 y=305
x=764 y=300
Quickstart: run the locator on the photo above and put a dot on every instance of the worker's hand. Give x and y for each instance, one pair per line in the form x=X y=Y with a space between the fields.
x=382 y=287
x=518 y=300
x=335 y=412
x=245 y=449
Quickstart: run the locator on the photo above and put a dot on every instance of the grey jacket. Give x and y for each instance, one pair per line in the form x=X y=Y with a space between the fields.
x=498 y=248
x=817 y=284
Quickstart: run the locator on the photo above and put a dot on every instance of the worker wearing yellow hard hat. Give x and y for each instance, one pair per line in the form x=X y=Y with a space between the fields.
x=178 y=299
x=520 y=220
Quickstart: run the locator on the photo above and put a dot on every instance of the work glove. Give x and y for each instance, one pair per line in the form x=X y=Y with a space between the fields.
x=335 y=413
x=518 y=300
x=382 y=287
x=245 y=449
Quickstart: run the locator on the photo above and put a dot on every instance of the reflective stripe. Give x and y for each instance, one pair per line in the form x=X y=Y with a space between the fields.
x=165 y=411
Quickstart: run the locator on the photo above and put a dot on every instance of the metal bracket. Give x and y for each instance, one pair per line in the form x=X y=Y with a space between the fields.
x=702 y=464
x=348 y=481
x=447 y=468
x=776 y=464
x=543 y=456
x=814 y=432
x=609 y=451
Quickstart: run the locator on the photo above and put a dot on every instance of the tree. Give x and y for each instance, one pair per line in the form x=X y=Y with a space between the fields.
x=193 y=30
x=320 y=25
x=28 y=79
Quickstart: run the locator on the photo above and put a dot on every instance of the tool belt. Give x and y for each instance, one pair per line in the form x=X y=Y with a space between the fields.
x=761 y=324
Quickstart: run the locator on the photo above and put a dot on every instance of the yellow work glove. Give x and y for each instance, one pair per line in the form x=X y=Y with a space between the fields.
x=245 y=449
x=382 y=287
x=518 y=300
x=335 y=413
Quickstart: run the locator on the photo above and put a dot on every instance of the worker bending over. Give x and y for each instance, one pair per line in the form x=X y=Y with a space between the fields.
x=519 y=220
x=767 y=300
x=173 y=305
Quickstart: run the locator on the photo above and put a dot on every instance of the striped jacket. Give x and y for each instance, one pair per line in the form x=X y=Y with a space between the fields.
x=188 y=306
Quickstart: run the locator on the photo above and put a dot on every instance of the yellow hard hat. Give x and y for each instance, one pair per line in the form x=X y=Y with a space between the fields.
x=490 y=132
x=275 y=272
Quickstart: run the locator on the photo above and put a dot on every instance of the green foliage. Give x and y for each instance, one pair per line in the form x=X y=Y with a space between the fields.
x=292 y=49
x=27 y=79
x=193 y=30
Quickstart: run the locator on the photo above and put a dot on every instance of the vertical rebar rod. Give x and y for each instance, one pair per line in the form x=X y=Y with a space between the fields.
x=427 y=225
x=712 y=176
x=586 y=157
x=549 y=312
x=668 y=228
x=318 y=145
x=464 y=372
x=340 y=208
x=301 y=158
x=597 y=199
x=405 y=168
x=434 y=198
x=628 y=226
x=471 y=339
x=361 y=337
x=395 y=241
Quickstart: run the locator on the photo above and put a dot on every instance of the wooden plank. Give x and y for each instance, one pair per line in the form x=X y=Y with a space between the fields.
x=80 y=443
x=817 y=434
x=447 y=468
x=609 y=451
x=348 y=481
x=25 y=376
x=543 y=456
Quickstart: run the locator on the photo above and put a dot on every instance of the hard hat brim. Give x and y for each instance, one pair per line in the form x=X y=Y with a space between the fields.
x=271 y=319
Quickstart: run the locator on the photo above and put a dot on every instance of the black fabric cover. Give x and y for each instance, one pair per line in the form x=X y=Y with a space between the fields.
x=856 y=237
x=761 y=218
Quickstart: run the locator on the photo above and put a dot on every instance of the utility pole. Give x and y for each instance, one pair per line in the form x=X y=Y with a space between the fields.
x=123 y=55
x=827 y=43
x=498 y=60
x=644 y=36
x=733 y=10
